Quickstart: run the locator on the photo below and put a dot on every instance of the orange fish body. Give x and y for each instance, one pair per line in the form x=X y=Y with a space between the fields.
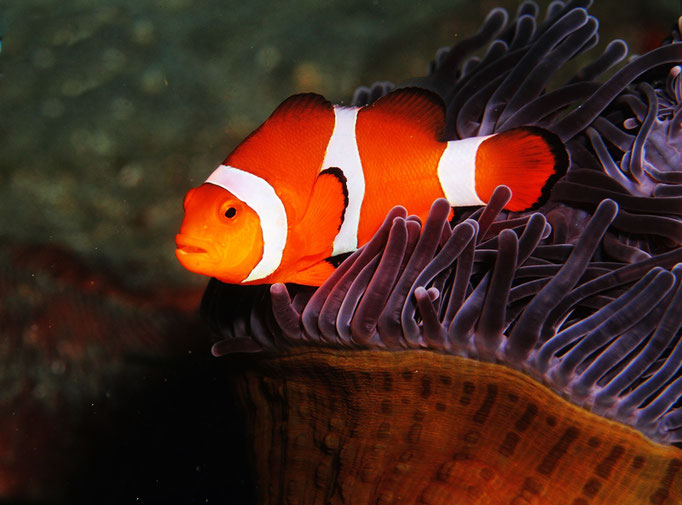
x=315 y=181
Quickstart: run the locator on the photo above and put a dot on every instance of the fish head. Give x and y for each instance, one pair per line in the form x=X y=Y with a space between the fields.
x=220 y=235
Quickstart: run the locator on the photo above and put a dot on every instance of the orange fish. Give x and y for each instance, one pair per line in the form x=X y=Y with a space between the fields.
x=316 y=180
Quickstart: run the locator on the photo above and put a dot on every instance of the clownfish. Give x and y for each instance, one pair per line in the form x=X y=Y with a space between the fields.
x=315 y=181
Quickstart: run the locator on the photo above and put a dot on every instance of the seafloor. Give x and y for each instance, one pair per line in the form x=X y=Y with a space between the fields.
x=109 y=113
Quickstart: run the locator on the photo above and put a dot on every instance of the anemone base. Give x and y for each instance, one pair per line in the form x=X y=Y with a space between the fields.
x=418 y=427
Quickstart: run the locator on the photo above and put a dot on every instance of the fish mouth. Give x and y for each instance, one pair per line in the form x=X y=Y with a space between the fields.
x=190 y=249
x=186 y=246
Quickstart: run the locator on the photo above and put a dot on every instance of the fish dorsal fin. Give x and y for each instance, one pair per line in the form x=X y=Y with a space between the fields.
x=287 y=150
x=414 y=108
x=300 y=106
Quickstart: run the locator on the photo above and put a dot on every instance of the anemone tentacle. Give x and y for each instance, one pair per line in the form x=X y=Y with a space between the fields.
x=591 y=355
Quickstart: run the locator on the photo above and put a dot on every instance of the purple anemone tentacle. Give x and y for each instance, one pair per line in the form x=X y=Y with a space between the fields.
x=616 y=324
x=433 y=332
x=579 y=119
x=662 y=226
x=625 y=406
x=389 y=320
x=326 y=317
x=558 y=10
x=345 y=271
x=311 y=312
x=488 y=333
x=364 y=321
x=525 y=29
x=460 y=284
x=467 y=120
x=582 y=193
x=666 y=177
x=529 y=288
x=463 y=109
x=536 y=229
x=526 y=332
x=618 y=277
x=528 y=8
x=615 y=52
x=554 y=252
x=664 y=190
x=651 y=414
x=334 y=319
x=241 y=344
x=637 y=156
x=609 y=165
x=546 y=105
x=498 y=200
x=464 y=321
x=536 y=80
x=447 y=69
x=286 y=316
x=554 y=9
x=676 y=125
x=470 y=65
x=366 y=96
x=612 y=133
x=656 y=346
x=621 y=252
x=614 y=358
x=636 y=105
x=462 y=234
x=543 y=44
x=670 y=427
x=596 y=178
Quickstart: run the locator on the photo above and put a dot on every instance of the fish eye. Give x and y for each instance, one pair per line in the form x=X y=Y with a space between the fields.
x=229 y=211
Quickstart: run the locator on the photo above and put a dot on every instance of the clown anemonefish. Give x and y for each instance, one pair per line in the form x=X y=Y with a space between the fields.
x=315 y=181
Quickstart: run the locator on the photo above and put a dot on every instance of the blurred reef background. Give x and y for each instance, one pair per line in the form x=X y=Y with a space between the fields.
x=109 y=113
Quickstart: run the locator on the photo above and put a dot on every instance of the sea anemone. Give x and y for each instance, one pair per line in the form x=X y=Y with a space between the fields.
x=495 y=357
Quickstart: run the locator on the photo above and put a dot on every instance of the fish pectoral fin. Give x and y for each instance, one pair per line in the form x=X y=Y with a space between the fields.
x=324 y=215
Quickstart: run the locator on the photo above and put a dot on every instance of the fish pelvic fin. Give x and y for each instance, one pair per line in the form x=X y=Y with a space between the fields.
x=529 y=160
x=314 y=275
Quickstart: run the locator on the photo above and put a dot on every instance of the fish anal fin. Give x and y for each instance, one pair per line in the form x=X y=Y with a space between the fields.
x=528 y=160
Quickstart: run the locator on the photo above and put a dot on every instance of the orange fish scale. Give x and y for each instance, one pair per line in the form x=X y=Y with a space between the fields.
x=419 y=427
x=396 y=156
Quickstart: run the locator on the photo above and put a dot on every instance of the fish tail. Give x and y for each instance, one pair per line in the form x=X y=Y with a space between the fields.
x=528 y=160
